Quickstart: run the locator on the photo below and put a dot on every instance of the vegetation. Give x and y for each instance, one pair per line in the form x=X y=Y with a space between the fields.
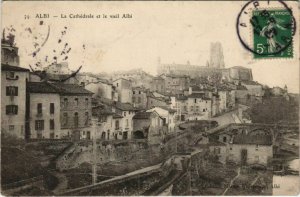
x=275 y=110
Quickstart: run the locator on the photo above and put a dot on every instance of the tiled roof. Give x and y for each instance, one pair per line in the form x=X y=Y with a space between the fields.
x=253 y=139
x=124 y=106
x=167 y=108
x=41 y=87
x=198 y=95
x=101 y=110
x=181 y=97
x=70 y=89
x=6 y=67
x=117 y=104
x=142 y=115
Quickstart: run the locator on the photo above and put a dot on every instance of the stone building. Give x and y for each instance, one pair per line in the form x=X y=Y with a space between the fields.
x=75 y=111
x=198 y=107
x=13 y=99
x=44 y=111
x=124 y=89
x=148 y=125
x=138 y=77
x=139 y=97
x=168 y=116
x=105 y=122
x=216 y=56
x=158 y=85
x=176 y=84
x=247 y=147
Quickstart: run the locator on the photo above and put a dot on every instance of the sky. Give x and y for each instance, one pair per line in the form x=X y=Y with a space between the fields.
x=175 y=32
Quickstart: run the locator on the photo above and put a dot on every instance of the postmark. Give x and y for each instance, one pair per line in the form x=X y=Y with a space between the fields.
x=266 y=29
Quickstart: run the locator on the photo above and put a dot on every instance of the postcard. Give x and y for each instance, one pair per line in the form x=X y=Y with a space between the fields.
x=146 y=98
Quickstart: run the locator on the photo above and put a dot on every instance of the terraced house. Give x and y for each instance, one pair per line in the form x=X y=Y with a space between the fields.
x=75 y=111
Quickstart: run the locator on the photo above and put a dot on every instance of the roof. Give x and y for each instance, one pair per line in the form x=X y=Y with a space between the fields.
x=253 y=139
x=181 y=97
x=198 y=95
x=6 y=67
x=70 y=89
x=101 y=110
x=124 y=106
x=41 y=87
x=241 y=87
x=142 y=115
x=166 y=108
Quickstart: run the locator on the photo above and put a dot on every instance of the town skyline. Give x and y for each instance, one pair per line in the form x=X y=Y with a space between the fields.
x=131 y=43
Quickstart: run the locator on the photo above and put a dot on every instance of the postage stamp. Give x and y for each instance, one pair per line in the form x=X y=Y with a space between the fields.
x=266 y=29
x=272 y=31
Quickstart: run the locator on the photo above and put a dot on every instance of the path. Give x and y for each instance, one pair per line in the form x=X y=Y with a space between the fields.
x=63 y=183
x=231 y=182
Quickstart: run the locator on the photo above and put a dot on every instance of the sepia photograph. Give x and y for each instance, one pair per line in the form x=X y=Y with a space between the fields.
x=150 y=98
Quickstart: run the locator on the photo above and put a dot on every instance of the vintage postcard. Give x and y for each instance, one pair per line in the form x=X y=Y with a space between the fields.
x=134 y=98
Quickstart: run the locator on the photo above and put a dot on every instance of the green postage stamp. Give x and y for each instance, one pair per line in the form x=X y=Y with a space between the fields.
x=272 y=33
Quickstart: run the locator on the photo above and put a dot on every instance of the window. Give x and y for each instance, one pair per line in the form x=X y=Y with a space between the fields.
x=192 y=108
x=224 y=139
x=133 y=92
x=139 y=92
x=39 y=108
x=86 y=102
x=124 y=113
x=65 y=102
x=195 y=101
x=256 y=148
x=11 y=91
x=65 y=119
x=86 y=123
x=197 y=108
x=117 y=84
x=52 y=136
x=11 y=127
x=39 y=125
x=76 y=119
x=11 y=109
x=203 y=110
x=51 y=108
x=51 y=124
x=117 y=124
x=127 y=123
x=76 y=101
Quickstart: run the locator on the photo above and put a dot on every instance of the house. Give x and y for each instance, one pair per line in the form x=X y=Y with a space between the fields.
x=44 y=111
x=148 y=125
x=138 y=77
x=251 y=149
x=124 y=89
x=139 y=97
x=122 y=125
x=175 y=84
x=13 y=99
x=247 y=147
x=198 y=107
x=158 y=85
x=100 y=87
x=153 y=101
x=168 y=116
x=105 y=123
x=75 y=111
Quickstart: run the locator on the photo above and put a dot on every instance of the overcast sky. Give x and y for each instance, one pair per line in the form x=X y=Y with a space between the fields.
x=176 y=32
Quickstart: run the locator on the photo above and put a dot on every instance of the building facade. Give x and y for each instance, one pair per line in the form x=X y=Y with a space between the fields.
x=13 y=99
x=44 y=111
